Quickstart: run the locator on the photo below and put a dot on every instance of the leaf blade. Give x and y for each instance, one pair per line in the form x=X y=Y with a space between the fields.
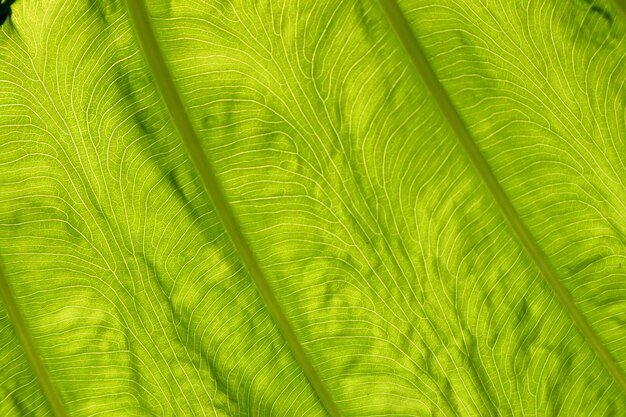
x=401 y=277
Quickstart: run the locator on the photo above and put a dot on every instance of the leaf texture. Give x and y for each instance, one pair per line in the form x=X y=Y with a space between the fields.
x=405 y=285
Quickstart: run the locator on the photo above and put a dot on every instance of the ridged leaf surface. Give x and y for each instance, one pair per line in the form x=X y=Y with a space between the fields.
x=402 y=280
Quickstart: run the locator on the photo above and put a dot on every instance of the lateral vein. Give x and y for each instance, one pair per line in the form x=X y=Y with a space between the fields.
x=403 y=30
x=28 y=344
x=179 y=116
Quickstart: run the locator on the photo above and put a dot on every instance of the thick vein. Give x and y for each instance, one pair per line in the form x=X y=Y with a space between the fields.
x=163 y=79
x=403 y=30
x=26 y=339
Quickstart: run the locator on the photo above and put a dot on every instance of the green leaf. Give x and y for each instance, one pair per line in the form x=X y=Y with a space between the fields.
x=387 y=254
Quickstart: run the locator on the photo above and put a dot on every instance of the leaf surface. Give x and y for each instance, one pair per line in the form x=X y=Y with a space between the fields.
x=402 y=280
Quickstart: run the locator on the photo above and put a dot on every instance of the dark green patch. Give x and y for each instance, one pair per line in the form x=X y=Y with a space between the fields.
x=579 y=266
x=595 y=24
x=603 y=14
x=5 y=10
x=105 y=9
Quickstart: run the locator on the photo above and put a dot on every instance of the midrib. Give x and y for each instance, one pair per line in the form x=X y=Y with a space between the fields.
x=414 y=50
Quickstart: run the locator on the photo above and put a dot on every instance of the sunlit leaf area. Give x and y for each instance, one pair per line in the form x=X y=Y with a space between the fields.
x=311 y=208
